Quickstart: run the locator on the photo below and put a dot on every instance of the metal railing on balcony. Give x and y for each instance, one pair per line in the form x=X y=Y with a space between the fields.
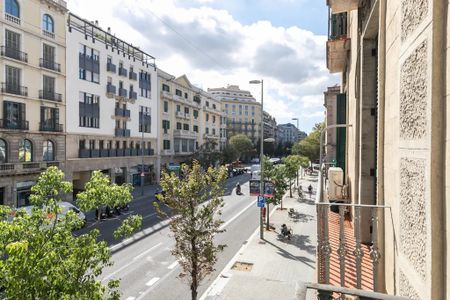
x=111 y=89
x=48 y=34
x=49 y=95
x=12 y=19
x=14 y=89
x=14 y=53
x=132 y=75
x=123 y=72
x=133 y=95
x=49 y=64
x=110 y=67
x=120 y=112
x=14 y=124
x=123 y=92
x=349 y=261
x=43 y=126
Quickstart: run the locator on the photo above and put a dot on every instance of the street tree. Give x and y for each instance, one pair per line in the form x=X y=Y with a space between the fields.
x=241 y=143
x=195 y=202
x=310 y=146
x=41 y=258
x=292 y=164
x=304 y=163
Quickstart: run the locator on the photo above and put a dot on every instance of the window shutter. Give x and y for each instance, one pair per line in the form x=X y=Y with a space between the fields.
x=56 y=116
x=22 y=111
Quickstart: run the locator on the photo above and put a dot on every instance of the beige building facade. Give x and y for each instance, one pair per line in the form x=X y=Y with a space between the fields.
x=393 y=56
x=330 y=104
x=241 y=110
x=33 y=95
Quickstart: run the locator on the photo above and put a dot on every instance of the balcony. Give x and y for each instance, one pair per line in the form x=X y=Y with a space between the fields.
x=110 y=89
x=12 y=19
x=96 y=153
x=14 y=89
x=123 y=72
x=133 y=95
x=50 y=65
x=43 y=126
x=180 y=114
x=119 y=132
x=338 y=6
x=110 y=67
x=210 y=136
x=14 y=53
x=132 y=75
x=48 y=34
x=49 y=95
x=338 y=43
x=123 y=92
x=167 y=95
x=197 y=99
x=120 y=112
x=184 y=134
x=14 y=124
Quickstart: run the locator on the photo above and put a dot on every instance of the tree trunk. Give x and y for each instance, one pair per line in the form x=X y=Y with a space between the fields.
x=290 y=188
x=267 y=217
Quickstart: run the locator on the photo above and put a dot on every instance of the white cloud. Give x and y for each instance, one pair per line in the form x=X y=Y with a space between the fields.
x=214 y=49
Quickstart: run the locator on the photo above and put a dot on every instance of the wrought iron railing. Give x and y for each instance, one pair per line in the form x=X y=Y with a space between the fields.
x=14 y=89
x=50 y=95
x=14 y=53
x=49 y=64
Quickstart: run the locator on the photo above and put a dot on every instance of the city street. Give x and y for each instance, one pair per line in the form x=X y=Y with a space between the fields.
x=146 y=267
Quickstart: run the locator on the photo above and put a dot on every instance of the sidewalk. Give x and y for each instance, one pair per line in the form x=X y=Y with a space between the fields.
x=276 y=263
x=149 y=190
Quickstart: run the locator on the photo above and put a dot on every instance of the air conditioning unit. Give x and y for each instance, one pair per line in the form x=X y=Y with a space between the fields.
x=336 y=190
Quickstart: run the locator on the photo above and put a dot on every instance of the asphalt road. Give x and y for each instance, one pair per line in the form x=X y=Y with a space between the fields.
x=146 y=267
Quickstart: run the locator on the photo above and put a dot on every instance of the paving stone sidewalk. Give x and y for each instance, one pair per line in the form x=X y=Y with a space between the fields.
x=276 y=263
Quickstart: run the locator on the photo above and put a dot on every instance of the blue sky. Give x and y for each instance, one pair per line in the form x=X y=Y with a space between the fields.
x=221 y=42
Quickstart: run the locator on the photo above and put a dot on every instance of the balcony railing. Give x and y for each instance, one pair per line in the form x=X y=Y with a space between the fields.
x=12 y=19
x=122 y=132
x=48 y=95
x=123 y=92
x=132 y=75
x=50 y=127
x=49 y=64
x=120 y=112
x=110 y=89
x=363 y=246
x=123 y=72
x=14 y=89
x=48 y=34
x=14 y=53
x=110 y=67
x=133 y=95
x=16 y=124
x=95 y=153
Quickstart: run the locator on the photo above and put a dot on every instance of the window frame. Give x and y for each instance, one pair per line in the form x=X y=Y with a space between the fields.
x=47 y=22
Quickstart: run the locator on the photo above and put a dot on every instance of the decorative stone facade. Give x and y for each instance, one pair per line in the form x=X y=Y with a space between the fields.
x=413 y=95
x=413 y=13
x=406 y=289
x=413 y=216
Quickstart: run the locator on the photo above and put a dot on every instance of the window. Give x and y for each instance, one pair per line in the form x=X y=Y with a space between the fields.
x=48 y=24
x=25 y=150
x=207 y=130
x=13 y=79
x=145 y=120
x=207 y=103
x=165 y=88
x=48 y=152
x=48 y=54
x=3 y=152
x=195 y=114
x=195 y=128
x=185 y=126
x=166 y=125
x=178 y=93
x=185 y=95
x=166 y=145
x=186 y=110
x=14 y=115
x=89 y=113
x=178 y=108
x=12 y=8
x=214 y=119
x=214 y=131
x=12 y=43
x=49 y=119
x=179 y=126
x=214 y=106
x=207 y=117
x=89 y=65
x=145 y=86
x=166 y=106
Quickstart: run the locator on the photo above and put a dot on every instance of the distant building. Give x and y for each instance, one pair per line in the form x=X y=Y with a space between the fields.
x=288 y=133
x=330 y=103
x=270 y=126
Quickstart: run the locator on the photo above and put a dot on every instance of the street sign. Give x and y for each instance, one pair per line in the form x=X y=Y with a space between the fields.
x=260 y=201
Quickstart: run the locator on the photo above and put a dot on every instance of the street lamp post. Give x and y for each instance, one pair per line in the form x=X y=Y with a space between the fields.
x=261 y=155
x=298 y=132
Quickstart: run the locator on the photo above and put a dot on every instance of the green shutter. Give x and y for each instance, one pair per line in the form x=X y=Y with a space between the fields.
x=341 y=133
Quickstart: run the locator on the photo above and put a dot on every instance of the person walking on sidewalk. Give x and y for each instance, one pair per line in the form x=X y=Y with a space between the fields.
x=310 y=190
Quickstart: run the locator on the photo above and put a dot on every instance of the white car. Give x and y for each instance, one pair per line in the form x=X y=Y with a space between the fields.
x=65 y=208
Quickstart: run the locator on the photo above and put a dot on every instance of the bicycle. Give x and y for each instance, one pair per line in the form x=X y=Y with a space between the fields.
x=300 y=192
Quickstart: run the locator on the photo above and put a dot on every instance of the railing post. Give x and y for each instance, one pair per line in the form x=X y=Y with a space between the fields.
x=341 y=251
x=358 y=252
x=374 y=252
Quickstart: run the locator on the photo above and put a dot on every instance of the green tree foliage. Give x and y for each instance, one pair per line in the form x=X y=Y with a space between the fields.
x=41 y=258
x=292 y=164
x=229 y=154
x=195 y=202
x=277 y=175
x=241 y=144
x=310 y=146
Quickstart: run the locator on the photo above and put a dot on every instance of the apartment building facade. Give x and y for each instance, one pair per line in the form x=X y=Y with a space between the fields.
x=393 y=56
x=241 y=110
x=112 y=107
x=191 y=120
x=288 y=133
x=33 y=96
x=270 y=124
x=334 y=100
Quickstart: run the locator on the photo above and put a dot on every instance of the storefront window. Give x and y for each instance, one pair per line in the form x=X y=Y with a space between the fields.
x=25 y=150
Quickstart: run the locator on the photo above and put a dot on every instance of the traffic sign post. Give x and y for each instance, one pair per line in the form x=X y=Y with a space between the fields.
x=260 y=201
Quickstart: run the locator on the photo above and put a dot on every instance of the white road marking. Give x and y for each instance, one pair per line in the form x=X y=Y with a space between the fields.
x=152 y=281
x=149 y=216
x=237 y=215
x=172 y=265
x=130 y=298
x=130 y=263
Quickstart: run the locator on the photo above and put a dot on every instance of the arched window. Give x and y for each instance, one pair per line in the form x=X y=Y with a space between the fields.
x=3 y=153
x=48 y=152
x=12 y=8
x=47 y=23
x=25 y=150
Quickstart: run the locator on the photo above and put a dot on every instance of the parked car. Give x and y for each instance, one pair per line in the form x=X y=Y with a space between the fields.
x=65 y=208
